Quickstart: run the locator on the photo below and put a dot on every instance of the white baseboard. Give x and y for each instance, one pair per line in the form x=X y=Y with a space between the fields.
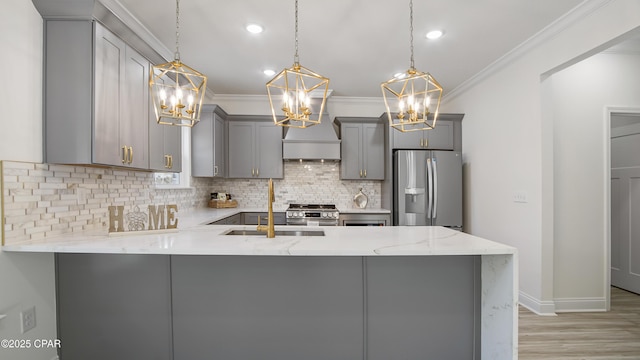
x=550 y=308
x=580 y=304
x=545 y=308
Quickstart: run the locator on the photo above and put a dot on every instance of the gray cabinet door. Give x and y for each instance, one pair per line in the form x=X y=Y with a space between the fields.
x=441 y=137
x=407 y=140
x=438 y=138
x=351 y=167
x=267 y=307
x=208 y=143
x=134 y=104
x=241 y=150
x=362 y=149
x=164 y=141
x=114 y=306
x=109 y=76
x=219 y=152
x=268 y=151
x=373 y=151
x=422 y=308
x=255 y=150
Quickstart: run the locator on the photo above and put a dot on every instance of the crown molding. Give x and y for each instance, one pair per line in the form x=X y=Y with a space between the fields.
x=574 y=15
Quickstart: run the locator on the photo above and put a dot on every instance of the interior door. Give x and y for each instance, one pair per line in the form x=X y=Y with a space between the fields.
x=625 y=229
x=625 y=201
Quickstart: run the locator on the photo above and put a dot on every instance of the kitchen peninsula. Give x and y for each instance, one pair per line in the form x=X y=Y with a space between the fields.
x=366 y=293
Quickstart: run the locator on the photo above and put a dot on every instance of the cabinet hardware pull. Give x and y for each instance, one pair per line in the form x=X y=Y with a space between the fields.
x=425 y=143
x=257 y=172
x=215 y=170
x=124 y=154
x=365 y=172
x=170 y=161
x=253 y=172
x=420 y=142
x=360 y=172
x=130 y=154
x=166 y=161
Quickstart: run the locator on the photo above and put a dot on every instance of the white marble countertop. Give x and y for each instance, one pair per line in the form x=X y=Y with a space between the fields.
x=194 y=237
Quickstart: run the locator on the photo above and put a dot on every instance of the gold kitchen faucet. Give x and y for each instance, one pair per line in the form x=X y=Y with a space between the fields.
x=269 y=228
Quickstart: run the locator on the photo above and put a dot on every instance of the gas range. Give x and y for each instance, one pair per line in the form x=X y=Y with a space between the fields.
x=312 y=214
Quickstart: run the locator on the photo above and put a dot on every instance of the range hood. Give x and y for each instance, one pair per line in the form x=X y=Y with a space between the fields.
x=318 y=142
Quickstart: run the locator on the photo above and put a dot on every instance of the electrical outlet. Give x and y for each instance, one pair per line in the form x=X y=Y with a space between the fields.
x=520 y=197
x=28 y=319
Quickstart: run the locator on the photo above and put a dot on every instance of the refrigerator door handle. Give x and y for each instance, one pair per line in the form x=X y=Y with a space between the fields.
x=429 y=187
x=435 y=188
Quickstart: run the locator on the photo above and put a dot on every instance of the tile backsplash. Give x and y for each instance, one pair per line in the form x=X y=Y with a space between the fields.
x=304 y=182
x=43 y=200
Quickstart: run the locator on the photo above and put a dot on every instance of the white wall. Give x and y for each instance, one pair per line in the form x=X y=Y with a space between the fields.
x=504 y=130
x=581 y=127
x=25 y=279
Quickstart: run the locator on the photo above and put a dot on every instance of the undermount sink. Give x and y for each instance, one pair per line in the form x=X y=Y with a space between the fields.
x=278 y=232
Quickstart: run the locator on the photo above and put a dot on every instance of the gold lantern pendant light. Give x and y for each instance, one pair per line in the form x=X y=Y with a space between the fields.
x=290 y=93
x=414 y=96
x=177 y=90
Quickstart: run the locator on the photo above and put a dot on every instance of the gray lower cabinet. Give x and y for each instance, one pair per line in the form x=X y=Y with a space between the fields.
x=208 y=143
x=362 y=148
x=185 y=307
x=251 y=218
x=423 y=307
x=255 y=148
x=96 y=97
x=114 y=306
x=440 y=138
x=235 y=219
x=267 y=307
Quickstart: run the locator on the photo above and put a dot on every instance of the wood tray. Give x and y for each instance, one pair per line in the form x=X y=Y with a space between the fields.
x=218 y=204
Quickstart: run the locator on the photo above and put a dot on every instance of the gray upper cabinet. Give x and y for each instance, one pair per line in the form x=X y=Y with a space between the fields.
x=96 y=97
x=208 y=143
x=165 y=147
x=439 y=138
x=362 y=148
x=255 y=148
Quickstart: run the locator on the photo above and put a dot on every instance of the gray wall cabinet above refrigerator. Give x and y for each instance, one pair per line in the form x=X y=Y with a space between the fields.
x=441 y=138
x=208 y=147
x=362 y=147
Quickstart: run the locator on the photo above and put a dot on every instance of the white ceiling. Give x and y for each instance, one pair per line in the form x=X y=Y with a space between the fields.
x=356 y=43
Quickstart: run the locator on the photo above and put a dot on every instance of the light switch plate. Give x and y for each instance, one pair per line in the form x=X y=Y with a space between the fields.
x=520 y=197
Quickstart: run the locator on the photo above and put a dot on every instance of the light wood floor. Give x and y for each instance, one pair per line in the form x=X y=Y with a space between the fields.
x=603 y=336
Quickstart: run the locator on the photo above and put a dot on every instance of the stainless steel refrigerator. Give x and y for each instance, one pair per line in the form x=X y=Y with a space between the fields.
x=427 y=188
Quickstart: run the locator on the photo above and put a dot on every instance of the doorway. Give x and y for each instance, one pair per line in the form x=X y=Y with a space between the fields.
x=625 y=200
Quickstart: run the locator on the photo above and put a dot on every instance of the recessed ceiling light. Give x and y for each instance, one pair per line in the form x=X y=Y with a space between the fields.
x=435 y=34
x=254 y=28
x=269 y=72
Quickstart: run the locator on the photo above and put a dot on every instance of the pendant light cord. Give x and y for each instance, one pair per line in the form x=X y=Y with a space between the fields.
x=296 y=59
x=411 y=31
x=177 y=55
